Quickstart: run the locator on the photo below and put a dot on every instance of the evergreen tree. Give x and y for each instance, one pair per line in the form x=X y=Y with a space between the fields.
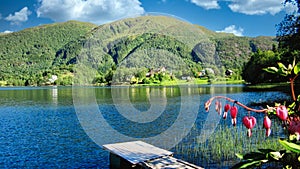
x=288 y=30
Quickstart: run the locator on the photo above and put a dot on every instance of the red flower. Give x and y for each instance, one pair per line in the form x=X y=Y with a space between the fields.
x=233 y=113
x=226 y=109
x=294 y=127
x=249 y=122
x=282 y=113
x=218 y=107
x=207 y=104
x=267 y=125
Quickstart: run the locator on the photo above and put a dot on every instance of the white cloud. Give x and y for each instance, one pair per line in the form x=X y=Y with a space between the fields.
x=207 y=4
x=256 y=7
x=7 y=31
x=96 y=11
x=249 y=7
x=233 y=29
x=18 y=17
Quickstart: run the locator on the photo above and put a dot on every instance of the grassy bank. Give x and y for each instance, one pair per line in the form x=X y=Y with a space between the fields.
x=192 y=82
x=268 y=85
x=66 y=80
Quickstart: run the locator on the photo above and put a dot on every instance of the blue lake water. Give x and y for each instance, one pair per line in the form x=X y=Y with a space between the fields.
x=59 y=127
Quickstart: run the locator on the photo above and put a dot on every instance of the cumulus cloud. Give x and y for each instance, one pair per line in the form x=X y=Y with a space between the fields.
x=256 y=7
x=207 y=4
x=249 y=7
x=18 y=17
x=96 y=11
x=233 y=29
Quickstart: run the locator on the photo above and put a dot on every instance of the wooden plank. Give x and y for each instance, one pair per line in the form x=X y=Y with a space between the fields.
x=137 y=151
x=168 y=162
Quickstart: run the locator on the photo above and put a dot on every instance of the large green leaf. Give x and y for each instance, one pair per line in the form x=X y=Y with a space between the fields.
x=271 y=69
x=297 y=68
x=290 y=146
x=281 y=66
x=276 y=155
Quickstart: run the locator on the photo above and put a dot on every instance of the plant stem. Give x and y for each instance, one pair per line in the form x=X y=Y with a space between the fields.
x=292 y=87
x=236 y=102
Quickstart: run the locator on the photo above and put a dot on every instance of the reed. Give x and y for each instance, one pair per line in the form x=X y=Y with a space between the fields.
x=220 y=148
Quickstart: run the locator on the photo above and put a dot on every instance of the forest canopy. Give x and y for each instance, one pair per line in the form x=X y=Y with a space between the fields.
x=32 y=56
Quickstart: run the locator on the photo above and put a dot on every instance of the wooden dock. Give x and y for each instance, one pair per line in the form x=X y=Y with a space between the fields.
x=141 y=155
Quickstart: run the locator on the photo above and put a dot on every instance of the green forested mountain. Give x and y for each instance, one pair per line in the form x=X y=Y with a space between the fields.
x=27 y=55
x=31 y=56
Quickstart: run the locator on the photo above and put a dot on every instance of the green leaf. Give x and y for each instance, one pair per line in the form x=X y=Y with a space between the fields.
x=240 y=156
x=294 y=62
x=297 y=68
x=271 y=70
x=276 y=155
x=282 y=72
x=277 y=104
x=290 y=68
x=281 y=66
x=292 y=105
x=293 y=137
x=290 y=146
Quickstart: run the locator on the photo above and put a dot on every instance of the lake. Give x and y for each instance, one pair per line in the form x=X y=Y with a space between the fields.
x=64 y=127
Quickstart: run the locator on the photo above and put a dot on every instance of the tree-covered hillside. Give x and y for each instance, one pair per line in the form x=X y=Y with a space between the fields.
x=26 y=56
x=31 y=56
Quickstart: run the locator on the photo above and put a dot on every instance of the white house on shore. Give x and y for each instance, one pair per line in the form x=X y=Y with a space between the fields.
x=53 y=79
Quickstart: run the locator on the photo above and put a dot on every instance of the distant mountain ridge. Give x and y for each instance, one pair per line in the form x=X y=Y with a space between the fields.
x=31 y=56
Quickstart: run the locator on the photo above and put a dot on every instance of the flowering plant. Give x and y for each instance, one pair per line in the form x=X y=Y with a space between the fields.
x=289 y=157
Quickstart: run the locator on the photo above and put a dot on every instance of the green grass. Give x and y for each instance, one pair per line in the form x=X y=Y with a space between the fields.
x=221 y=147
x=197 y=81
x=201 y=81
x=229 y=82
x=219 y=81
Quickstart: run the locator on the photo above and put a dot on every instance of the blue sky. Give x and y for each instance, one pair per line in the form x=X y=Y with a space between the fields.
x=241 y=17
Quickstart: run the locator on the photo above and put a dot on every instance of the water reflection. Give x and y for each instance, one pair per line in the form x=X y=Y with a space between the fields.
x=151 y=115
x=124 y=101
x=39 y=127
x=54 y=95
x=31 y=96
